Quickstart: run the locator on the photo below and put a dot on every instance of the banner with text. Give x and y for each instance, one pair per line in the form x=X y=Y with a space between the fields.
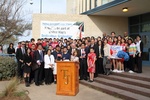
x=58 y=29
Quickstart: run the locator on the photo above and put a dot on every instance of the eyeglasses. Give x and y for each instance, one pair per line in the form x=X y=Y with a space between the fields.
x=23 y=44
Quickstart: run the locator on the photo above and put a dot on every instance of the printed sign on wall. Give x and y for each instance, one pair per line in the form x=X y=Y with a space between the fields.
x=58 y=29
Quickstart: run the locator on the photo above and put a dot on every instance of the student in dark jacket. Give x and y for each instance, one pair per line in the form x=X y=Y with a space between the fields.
x=100 y=56
x=11 y=49
x=66 y=55
x=139 y=46
x=27 y=66
x=20 y=59
x=39 y=60
x=82 y=54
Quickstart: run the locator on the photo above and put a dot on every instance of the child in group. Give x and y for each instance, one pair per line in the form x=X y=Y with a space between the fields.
x=91 y=64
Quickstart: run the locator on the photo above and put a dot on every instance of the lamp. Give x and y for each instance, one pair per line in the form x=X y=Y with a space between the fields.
x=31 y=2
x=125 y=9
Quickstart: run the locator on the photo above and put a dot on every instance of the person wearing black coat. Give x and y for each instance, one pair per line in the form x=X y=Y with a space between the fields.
x=20 y=59
x=82 y=54
x=38 y=59
x=11 y=49
x=100 y=56
x=139 y=46
x=27 y=66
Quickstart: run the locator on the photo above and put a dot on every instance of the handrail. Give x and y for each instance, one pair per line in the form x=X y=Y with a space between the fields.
x=3 y=54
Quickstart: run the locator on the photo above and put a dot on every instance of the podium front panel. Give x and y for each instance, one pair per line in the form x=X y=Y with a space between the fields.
x=67 y=78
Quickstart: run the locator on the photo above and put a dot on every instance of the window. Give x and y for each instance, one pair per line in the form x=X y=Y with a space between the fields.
x=106 y=1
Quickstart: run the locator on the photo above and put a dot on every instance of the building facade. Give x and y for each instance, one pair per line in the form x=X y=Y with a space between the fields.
x=105 y=16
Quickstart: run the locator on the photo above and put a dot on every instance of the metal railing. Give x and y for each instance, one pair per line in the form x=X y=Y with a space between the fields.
x=9 y=55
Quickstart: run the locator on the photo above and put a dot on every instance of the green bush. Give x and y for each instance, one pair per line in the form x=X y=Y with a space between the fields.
x=8 y=67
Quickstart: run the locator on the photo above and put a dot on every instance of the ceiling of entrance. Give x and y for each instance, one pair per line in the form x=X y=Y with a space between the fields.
x=135 y=7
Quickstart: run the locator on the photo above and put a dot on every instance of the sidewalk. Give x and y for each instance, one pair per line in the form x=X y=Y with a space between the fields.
x=48 y=92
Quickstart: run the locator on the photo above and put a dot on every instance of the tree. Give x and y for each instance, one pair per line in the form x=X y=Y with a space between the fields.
x=12 y=22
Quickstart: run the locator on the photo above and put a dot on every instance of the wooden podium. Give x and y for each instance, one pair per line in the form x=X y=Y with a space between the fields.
x=67 y=78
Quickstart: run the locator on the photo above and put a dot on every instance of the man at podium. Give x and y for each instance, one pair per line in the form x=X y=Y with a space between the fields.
x=58 y=56
x=66 y=55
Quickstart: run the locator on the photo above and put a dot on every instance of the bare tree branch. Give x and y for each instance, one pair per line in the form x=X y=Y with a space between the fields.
x=11 y=20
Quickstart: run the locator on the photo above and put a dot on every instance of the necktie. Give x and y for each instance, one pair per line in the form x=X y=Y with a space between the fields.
x=23 y=51
x=41 y=56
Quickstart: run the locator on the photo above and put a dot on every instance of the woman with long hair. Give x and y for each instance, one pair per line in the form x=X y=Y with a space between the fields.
x=27 y=66
x=106 y=57
x=100 y=57
x=11 y=49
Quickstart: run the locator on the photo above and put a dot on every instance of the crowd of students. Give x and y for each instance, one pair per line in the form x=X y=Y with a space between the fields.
x=37 y=61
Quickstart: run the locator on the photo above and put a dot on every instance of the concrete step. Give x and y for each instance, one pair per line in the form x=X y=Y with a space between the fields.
x=126 y=95
x=128 y=80
x=133 y=76
x=124 y=86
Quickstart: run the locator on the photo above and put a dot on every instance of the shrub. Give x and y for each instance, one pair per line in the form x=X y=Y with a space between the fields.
x=11 y=91
x=8 y=67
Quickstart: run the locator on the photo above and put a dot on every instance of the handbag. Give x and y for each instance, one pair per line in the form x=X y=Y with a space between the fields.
x=22 y=66
x=108 y=63
x=34 y=66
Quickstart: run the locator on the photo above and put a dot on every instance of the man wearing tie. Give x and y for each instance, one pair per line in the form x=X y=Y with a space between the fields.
x=39 y=60
x=20 y=59
x=82 y=54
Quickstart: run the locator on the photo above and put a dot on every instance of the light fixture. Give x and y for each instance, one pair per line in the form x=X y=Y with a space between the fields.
x=31 y=2
x=125 y=9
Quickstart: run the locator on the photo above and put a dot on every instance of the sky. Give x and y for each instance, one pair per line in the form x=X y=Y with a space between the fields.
x=48 y=7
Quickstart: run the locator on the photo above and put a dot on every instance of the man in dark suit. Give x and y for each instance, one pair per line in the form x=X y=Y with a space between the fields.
x=73 y=48
x=20 y=59
x=139 y=46
x=82 y=54
x=93 y=45
x=39 y=60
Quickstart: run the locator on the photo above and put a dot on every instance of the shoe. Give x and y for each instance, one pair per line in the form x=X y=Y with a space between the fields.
x=85 y=79
x=55 y=82
x=119 y=71
x=131 y=71
x=115 y=70
x=41 y=84
x=80 y=79
x=37 y=84
x=122 y=70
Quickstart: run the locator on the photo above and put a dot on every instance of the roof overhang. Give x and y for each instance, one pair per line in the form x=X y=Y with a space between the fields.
x=115 y=7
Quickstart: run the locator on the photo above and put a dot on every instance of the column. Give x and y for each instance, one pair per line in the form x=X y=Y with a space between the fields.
x=92 y=4
x=88 y=5
x=81 y=6
x=84 y=5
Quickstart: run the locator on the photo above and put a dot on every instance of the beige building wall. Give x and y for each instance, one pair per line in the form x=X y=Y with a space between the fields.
x=93 y=25
x=72 y=7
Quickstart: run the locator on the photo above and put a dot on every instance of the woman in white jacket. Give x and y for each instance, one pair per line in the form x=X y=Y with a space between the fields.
x=49 y=64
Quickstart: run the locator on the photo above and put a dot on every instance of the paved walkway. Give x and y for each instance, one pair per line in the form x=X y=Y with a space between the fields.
x=48 y=92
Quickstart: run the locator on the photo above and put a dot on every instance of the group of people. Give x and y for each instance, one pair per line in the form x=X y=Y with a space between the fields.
x=37 y=61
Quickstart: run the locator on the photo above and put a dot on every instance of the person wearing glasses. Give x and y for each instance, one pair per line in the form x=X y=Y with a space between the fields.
x=20 y=56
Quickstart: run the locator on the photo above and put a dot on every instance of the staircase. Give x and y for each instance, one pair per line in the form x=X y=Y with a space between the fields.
x=123 y=85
